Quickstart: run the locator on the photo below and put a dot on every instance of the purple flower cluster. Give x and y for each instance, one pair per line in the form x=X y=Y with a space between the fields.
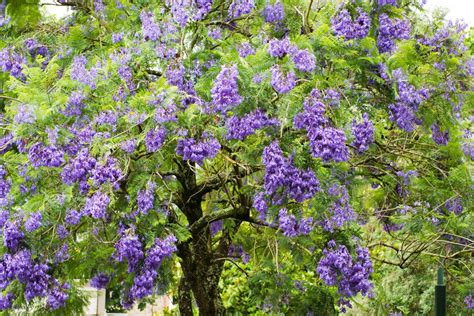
x=128 y=145
x=240 y=128
x=240 y=7
x=13 y=63
x=107 y=172
x=57 y=296
x=6 y=301
x=289 y=224
x=245 y=49
x=225 y=91
x=33 y=222
x=129 y=248
x=327 y=143
x=194 y=151
x=304 y=60
x=47 y=156
x=96 y=205
x=150 y=30
x=12 y=236
x=439 y=137
x=341 y=211
x=100 y=281
x=238 y=252
x=451 y=38
x=279 y=48
x=274 y=13
x=390 y=30
x=298 y=184
x=33 y=275
x=282 y=83
x=260 y=204
x=363 y=134
x=74 y=104
x=73 y=217
x=5 y=184
x=337 y=267
x=154 y=139
x=454 y=205
x=387 y=2
x=469 y=301
x=343 y=24
x=143 y=283
x=146 y=198
x=408 y=101
x=78 y=170
x=80 y=73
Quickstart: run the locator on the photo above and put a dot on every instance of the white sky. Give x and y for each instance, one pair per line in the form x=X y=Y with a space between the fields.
x=457 y=9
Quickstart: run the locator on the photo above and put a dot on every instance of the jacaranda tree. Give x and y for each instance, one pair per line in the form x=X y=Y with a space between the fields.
x=293 y=152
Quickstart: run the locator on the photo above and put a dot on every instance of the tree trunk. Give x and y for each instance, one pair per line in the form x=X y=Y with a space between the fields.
x=202 y=273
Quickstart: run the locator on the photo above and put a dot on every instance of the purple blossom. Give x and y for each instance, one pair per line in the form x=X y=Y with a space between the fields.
x=279 y=48
x=337 y=267
x=281 y=83
x=287 y=223
x=62 y=232
x=390 y=30
x=129 y=248
x=162 y=248
x=33 y=222
x=245 y=49
x=439 y=137
x=154 y=139
x=62 y=254
x=343 y=24
x=107 y=172
x=128 y=145
x=57 y=296
x=117 y=37
x=194 y=151
x=273 y=13
x=387 y=2
x=363 y=134
x=12 y=236
x=240 y=7
x=25 y=114
x=304 y=60
x=214 y=33
x=328 y=144
x=216 y=227
x=78 y=169
x=280 y=173
x=96 y=205
x=469 y=301
x=80 y=73
x=37 y=280
x=404 y=116
x=150 y=30
x=454 y=205
x=47 y=156
x=145 y=198
x=73 y=217
x=143 y=284
x=340 y=210
x=6 y=301
x=225 y=91
x=100 y=281
x=240 y=128
x=74 y=104
x=260 y=204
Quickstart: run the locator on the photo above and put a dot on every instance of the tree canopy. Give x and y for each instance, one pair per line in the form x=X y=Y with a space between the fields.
x=291 y=157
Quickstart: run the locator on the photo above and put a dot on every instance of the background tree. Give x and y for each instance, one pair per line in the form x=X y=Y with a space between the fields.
x=301 y=147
